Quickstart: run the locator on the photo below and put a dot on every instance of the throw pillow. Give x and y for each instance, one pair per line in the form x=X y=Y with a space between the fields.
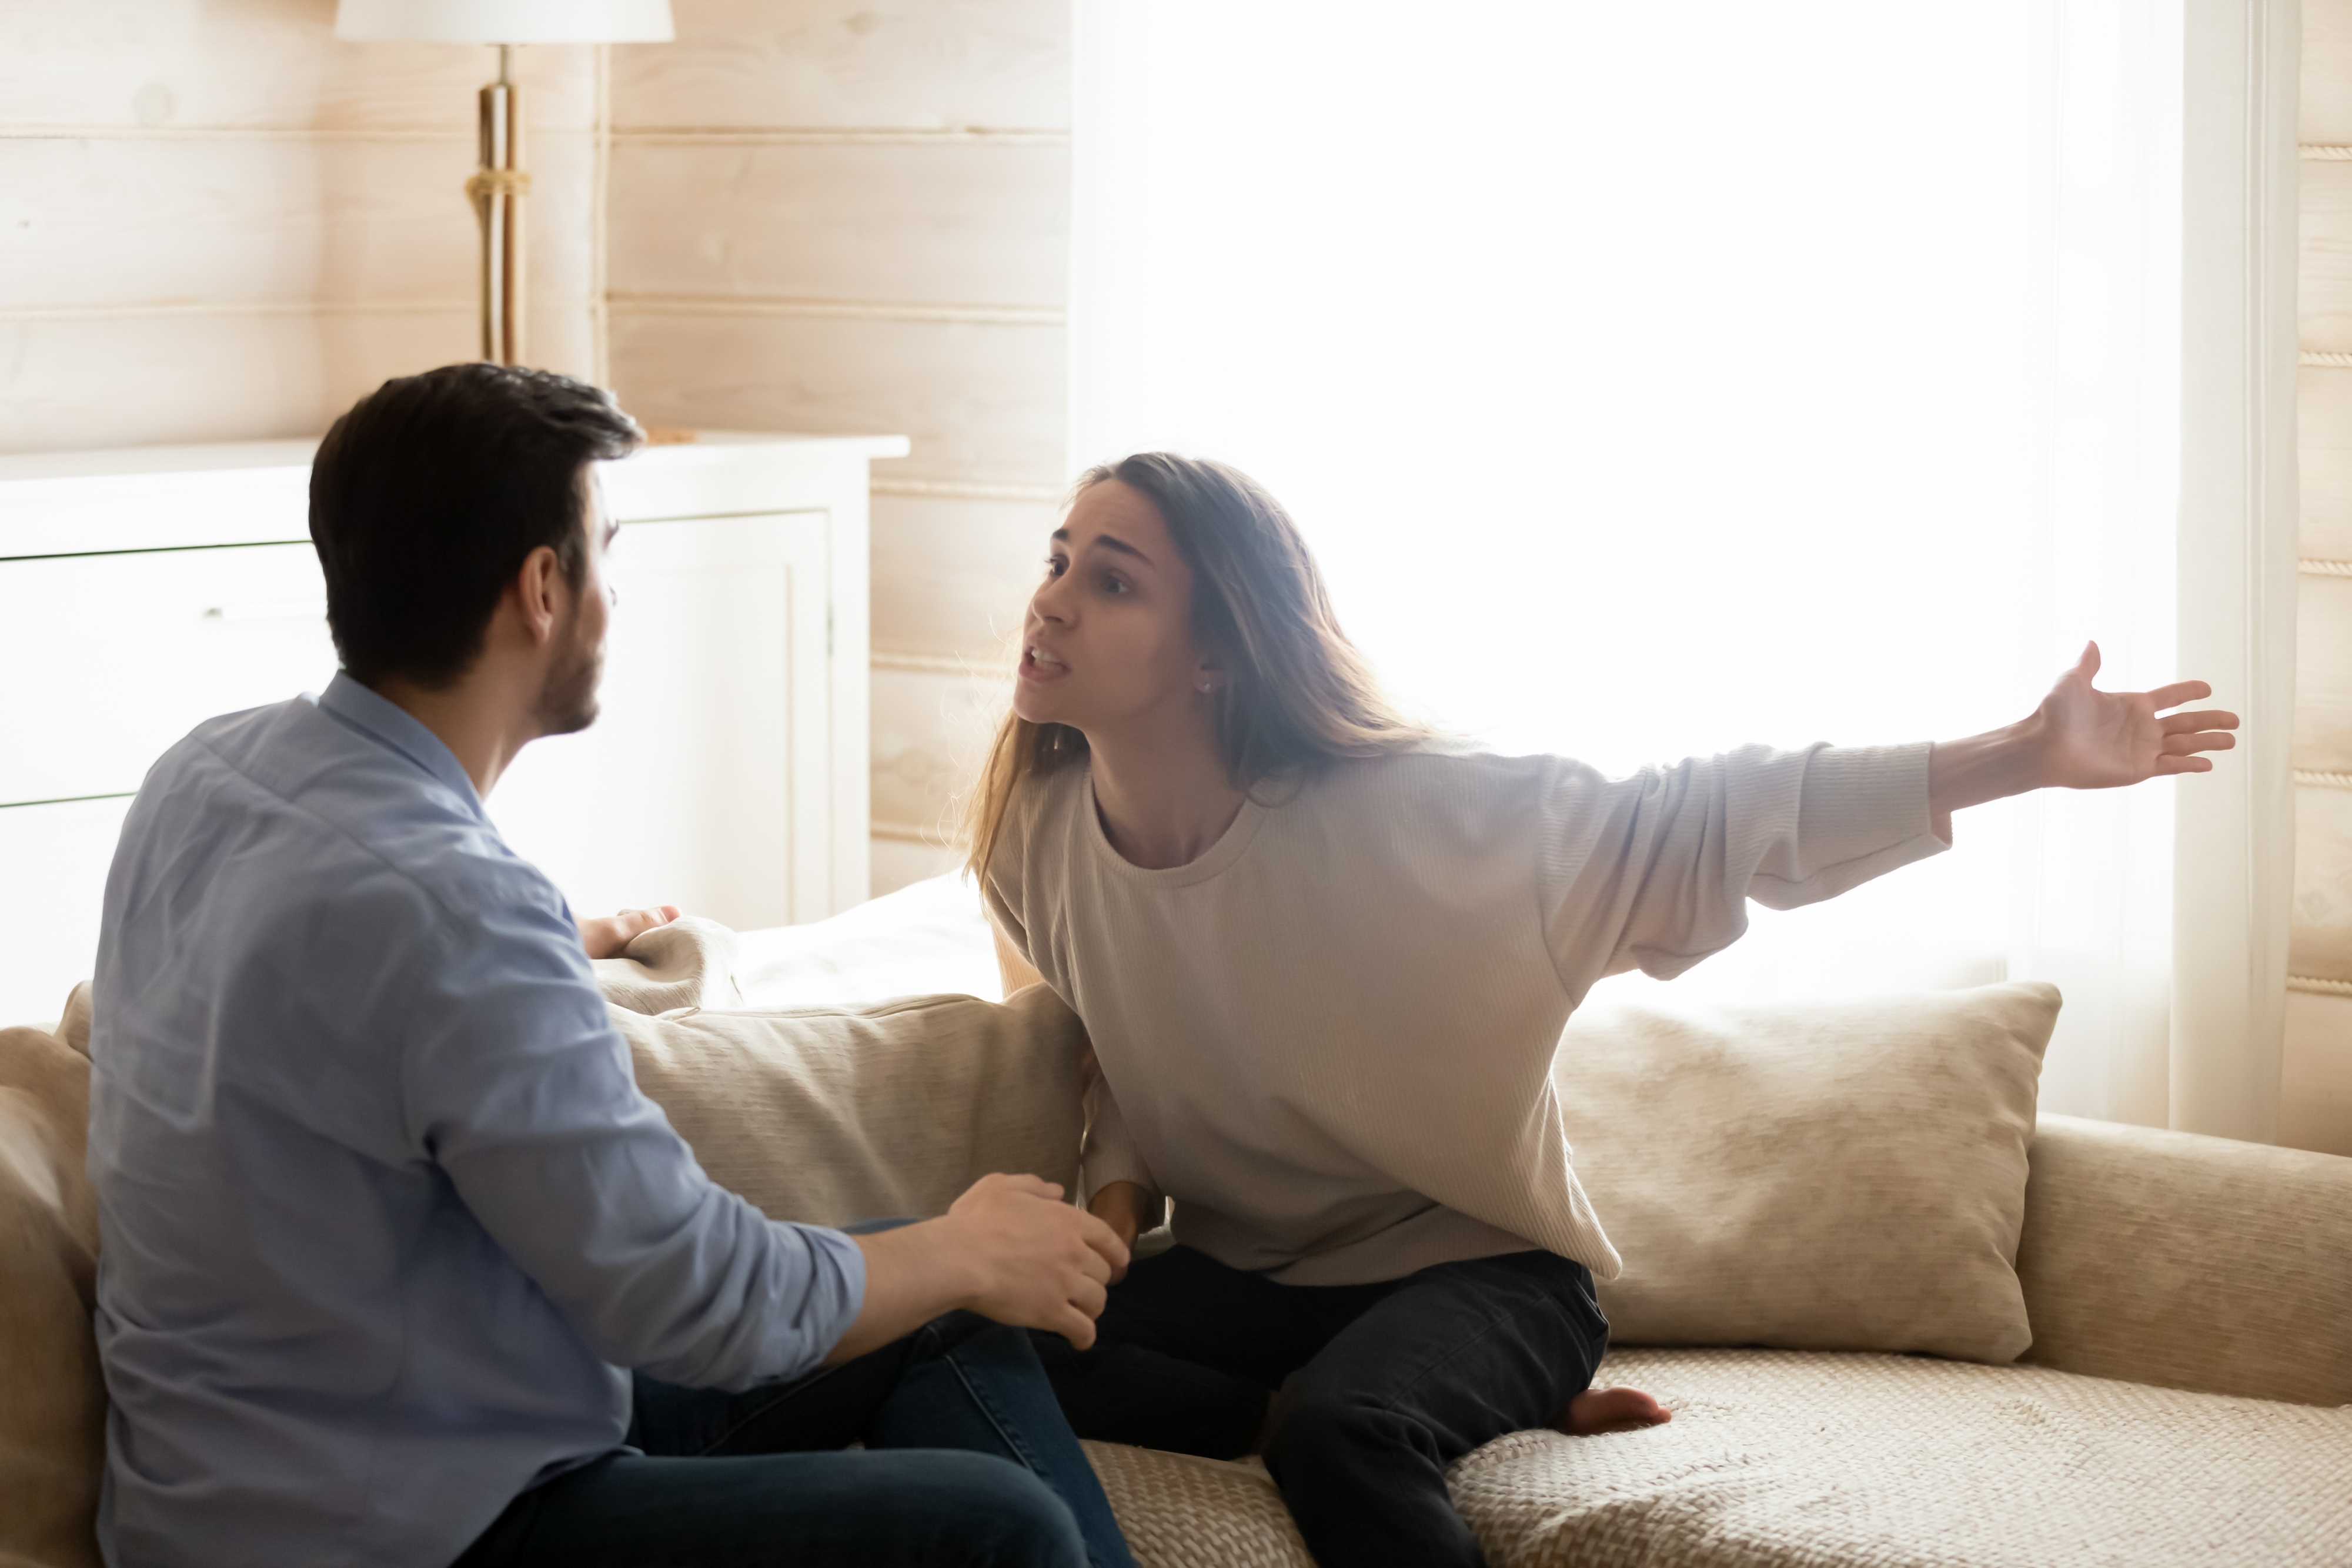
x=831 y=1115
x=1825 y=1176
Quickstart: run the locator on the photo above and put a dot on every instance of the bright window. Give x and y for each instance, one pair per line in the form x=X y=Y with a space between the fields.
x=1656 y=379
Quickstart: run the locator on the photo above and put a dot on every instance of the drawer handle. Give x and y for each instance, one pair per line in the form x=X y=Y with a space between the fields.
x=269 y=610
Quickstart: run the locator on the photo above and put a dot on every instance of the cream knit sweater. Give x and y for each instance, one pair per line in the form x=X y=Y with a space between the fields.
x=1330 y=1038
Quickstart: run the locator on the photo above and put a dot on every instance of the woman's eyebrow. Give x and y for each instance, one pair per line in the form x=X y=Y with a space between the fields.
x=1108 y=541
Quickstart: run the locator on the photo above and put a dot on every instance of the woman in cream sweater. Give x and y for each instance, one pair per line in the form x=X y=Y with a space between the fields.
x=1325 y=960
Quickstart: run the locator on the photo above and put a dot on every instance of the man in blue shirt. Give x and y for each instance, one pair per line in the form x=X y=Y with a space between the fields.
x=384 y=1214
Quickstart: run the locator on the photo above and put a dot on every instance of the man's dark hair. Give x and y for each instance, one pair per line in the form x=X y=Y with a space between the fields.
x=426 y=496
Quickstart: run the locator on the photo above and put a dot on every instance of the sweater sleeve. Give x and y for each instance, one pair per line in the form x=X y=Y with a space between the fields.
x=1654 y=871
x=1109 y=1152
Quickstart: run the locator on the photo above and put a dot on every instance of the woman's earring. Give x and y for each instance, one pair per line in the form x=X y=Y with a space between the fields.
x=1208 y=685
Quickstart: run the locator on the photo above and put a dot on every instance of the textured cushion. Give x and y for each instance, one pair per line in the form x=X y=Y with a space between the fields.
x=1880 y=1461
x=2192 y=1262
x=1178 y=1511
x=830 y=1115
x=1830 y=1175
x=52 y=1400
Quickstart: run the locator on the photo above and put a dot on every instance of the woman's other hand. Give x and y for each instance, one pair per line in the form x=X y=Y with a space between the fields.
x=2079 y=739
x=1121 y=1205
x=605 y=936
x=2101 y=741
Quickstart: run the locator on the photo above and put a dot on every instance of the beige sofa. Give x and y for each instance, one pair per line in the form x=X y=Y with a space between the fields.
x=2184 y=1397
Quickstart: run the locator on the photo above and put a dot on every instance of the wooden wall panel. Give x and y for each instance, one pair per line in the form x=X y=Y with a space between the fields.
x=2322 y=673
x=2327 y=101
x=2325 y=304
x=955 y=223
x=901 y=64
x=97 y=222
x=853 y=215
x=959 y=574
x=140 y=381
x=218 y=223
x=174 y=65
x=981 y=402
x=930 y=729
x=2324 y=415
x=2315 y=1074
x=2320 y=943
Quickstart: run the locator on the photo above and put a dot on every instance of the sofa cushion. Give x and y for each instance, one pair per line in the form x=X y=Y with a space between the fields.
x=829 y=1116
x=2189 y=1262
x=1779 y=1458
x=52 y=1399
x=1839 y=1175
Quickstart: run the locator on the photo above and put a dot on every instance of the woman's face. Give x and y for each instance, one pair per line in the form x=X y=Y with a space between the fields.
x=1108 y=640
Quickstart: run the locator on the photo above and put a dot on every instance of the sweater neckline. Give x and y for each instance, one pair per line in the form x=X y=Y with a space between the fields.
x=1229 y=847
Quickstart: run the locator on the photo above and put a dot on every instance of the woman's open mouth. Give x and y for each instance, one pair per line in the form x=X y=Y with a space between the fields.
x=1038 y=663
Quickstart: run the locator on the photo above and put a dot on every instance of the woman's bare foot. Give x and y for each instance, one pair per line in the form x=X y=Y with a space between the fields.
x=1610 y=1410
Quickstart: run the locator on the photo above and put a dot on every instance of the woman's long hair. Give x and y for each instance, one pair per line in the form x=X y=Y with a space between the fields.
x=1297 y=694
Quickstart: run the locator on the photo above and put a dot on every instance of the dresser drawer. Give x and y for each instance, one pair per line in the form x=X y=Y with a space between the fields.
x=109 y=659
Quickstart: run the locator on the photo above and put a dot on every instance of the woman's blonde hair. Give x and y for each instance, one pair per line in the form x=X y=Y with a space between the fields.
x=1297 y=694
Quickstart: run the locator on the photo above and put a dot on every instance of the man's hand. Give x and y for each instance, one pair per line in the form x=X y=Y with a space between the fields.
x=1120 y=1205
x=2079 y=739
x=605 y=936
x=1009 y=1248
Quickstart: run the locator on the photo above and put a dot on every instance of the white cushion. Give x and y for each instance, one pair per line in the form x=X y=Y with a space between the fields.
x=1839 y=1175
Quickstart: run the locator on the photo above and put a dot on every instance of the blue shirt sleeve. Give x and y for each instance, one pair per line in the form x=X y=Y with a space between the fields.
x=517 y=1087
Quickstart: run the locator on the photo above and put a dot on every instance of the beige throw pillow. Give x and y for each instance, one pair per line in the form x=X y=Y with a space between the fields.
x=1821 y=1176
x=52 y=1398
x=830 y=1115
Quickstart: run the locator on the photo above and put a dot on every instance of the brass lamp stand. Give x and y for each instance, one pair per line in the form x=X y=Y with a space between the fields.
x=497 y=189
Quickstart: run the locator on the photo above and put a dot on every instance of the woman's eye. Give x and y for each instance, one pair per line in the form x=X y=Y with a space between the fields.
x=1115 y=585
x=1055 y=566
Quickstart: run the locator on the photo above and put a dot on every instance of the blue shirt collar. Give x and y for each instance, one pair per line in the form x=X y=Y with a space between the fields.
x=382 y=720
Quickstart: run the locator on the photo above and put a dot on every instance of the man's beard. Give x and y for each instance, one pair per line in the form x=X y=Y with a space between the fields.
x=567 y=701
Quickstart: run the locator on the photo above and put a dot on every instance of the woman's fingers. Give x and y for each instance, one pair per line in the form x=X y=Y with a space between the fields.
x=2179 y=692
x=2205 y=718
x=2203 y=740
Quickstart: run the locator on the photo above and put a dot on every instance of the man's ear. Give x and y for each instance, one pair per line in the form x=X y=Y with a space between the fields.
x=537 y=590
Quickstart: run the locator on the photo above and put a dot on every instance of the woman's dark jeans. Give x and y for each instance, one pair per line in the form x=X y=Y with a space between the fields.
x=967 y=1463
x=1394 y=1381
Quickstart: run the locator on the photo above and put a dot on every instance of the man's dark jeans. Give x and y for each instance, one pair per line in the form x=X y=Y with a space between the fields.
x=967 y=1463
x=1396 y=1381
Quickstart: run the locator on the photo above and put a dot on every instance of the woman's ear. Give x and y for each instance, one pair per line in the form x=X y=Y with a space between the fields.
x=1209 y=676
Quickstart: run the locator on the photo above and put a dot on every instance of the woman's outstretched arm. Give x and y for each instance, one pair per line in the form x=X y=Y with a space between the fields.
x=2079 y=739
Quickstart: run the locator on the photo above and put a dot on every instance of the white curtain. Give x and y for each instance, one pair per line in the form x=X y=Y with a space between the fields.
x=1654 y=378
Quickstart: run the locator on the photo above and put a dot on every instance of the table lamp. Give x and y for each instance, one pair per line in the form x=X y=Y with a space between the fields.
x=498 y=187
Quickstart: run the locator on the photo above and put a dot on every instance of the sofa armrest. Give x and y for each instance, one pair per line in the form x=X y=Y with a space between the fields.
x=2188 y=1261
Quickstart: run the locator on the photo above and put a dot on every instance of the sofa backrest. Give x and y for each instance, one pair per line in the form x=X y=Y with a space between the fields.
x=2188 y=1261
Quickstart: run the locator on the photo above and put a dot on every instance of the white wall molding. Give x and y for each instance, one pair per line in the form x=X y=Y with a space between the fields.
x=180 y=309
x=873 y=136
x=738 y=306
x=965 y=490
x=444 y=135
x=2309 y=566
x=2234 y=864
x=909 y=662
x=2317 y=779
x=908 y=833
x=2322 y=987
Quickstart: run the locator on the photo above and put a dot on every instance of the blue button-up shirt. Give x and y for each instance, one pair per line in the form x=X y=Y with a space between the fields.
x=384 y=1213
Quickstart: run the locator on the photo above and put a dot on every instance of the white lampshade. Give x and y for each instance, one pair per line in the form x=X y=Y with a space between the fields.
x=506 y=21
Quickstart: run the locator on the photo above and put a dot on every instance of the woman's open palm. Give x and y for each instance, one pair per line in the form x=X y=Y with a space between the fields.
x=2101 y=741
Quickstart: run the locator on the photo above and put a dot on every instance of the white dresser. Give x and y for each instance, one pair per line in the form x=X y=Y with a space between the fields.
x=144 y=591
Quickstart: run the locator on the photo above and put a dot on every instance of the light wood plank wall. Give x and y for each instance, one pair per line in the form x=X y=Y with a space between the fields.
x=217 y=223
x=852 y=215
x=2316 y=1102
